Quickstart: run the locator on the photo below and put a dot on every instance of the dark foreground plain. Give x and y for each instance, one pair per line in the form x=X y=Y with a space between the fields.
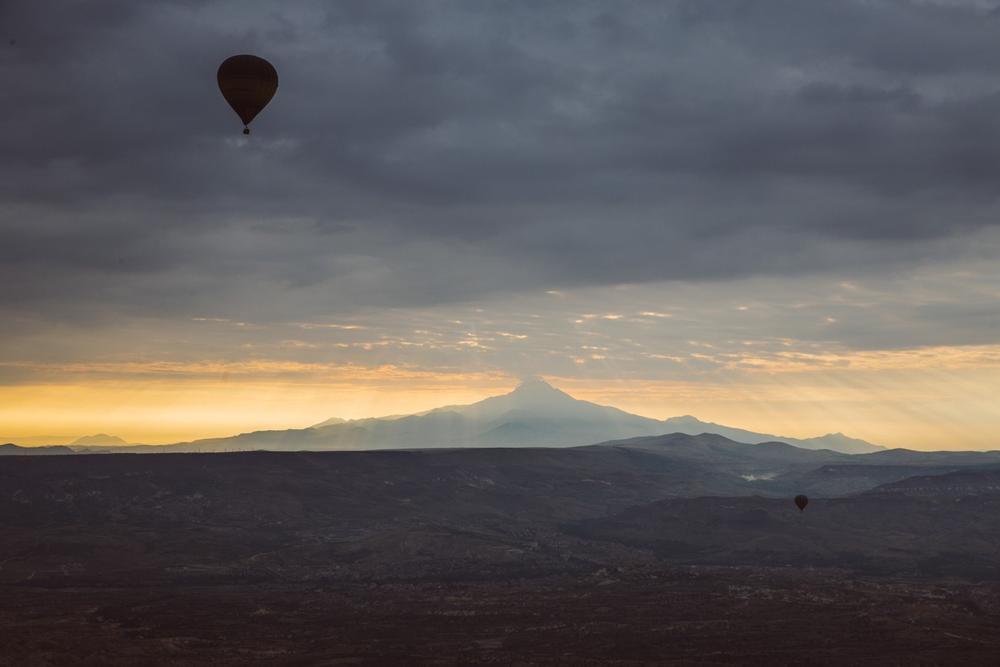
x=655 y=551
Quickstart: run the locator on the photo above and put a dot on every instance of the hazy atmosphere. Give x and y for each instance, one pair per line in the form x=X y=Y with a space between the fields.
x=500 y=332
x=776 y=215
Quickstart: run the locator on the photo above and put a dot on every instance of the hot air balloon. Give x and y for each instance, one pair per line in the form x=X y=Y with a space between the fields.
x=801 y=502
x=248 y=83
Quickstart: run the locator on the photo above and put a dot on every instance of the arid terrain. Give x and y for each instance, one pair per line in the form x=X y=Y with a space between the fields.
x=651 y=551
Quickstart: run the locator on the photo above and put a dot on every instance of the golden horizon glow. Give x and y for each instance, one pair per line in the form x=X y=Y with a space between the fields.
x=928 y=398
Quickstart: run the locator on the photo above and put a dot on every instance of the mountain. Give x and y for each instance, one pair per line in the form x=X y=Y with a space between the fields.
x=535 y=414
x=98 y=439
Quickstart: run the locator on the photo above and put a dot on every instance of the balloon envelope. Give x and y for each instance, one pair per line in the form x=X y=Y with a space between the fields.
x=248 y=83
x=801 y=502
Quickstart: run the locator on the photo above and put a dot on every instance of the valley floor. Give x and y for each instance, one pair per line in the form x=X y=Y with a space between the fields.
x=646 y=615
x=594 y=556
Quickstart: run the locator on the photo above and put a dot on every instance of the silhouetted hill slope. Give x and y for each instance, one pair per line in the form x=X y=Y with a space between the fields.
x=120 y=520
x=555 y=479
x=715 y=448
x=862 y=472
x=489 y=556
x=873 y=533
x=843 y=479
x=781 y=468
x=984 y=481
x=11 y=449
x=113 y=518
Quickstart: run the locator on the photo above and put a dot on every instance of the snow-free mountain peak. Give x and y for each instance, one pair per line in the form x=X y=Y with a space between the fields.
x=535 y=388
x=535 y=393
x=97 y=440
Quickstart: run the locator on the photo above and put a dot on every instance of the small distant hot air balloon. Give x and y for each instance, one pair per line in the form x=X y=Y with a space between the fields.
x=248 y=83
x=801 y=502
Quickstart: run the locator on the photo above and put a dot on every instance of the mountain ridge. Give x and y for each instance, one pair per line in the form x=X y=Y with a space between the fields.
x=691 y=425
x=533 y=414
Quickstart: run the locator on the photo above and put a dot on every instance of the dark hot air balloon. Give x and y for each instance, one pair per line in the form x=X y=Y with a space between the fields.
x=801 y=502
x=248 y=83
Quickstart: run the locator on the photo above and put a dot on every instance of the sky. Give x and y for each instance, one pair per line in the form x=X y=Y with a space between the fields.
x=778 y=215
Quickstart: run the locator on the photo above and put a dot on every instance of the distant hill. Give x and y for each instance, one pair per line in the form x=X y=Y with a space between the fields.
x=98 y=439
x=535 y=414
x=780 y=468
x=10 y=449
x=837 y=442
x=901 y=456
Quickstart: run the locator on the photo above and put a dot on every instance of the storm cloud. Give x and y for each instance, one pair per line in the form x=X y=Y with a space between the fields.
x=422 y=154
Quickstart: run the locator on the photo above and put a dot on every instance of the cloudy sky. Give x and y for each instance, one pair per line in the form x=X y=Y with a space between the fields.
x=775 y=214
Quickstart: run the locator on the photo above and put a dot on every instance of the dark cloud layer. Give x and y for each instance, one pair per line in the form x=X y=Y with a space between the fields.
x=422 y=153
